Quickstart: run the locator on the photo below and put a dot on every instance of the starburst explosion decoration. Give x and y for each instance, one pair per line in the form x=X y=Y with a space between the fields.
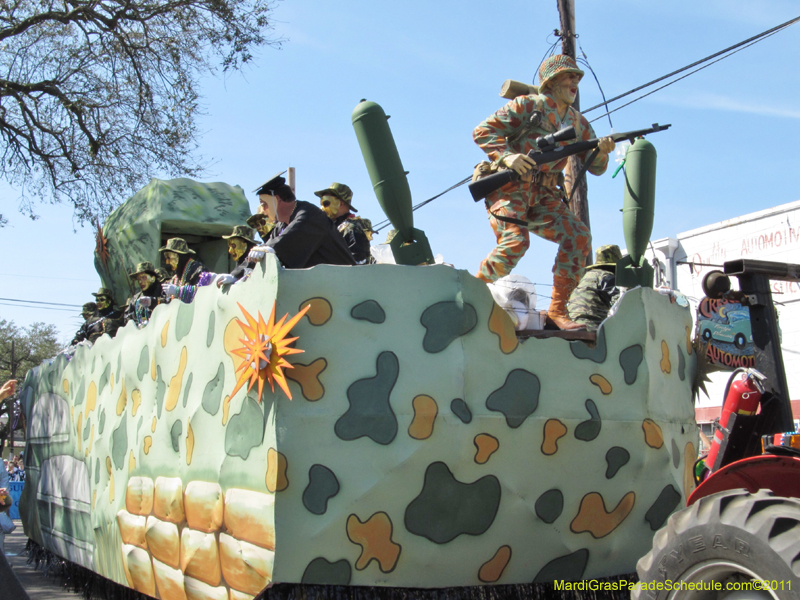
x=263 y=351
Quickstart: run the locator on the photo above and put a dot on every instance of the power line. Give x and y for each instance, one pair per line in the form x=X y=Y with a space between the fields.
x=38 y=307
x=38 y=302
x=41 y=277
x=755 y=38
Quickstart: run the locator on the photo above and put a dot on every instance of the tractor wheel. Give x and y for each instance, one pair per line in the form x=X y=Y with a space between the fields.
x=741 y=545
x=706 y=334
x=740 y=341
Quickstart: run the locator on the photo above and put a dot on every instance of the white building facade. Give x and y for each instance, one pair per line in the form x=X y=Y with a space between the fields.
x=773 y=235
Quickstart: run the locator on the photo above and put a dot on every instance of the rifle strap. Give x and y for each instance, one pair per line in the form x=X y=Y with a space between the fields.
x=510 y=220
x=582 y=173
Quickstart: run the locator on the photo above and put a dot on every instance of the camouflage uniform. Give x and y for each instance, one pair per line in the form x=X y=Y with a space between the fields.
x=353 y=231
x=597 y=292
x=514 y=129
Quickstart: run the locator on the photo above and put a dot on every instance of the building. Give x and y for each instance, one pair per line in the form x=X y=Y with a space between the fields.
x=772 y=234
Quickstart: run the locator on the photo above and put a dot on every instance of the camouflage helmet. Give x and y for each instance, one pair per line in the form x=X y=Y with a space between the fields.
x=341 y=191
x=555 y=65
x=242 y=232
x=104 y=293
x=606 y=256
x=144 y=267
x=177 y=245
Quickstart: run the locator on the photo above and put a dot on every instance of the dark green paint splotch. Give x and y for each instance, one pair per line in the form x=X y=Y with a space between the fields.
x=447 y=508
x=186 y=388
x=104 y=379
x=212 y=394
x=589 y=430
x=667 y=501
x=369 y=310
x=681 y=364
x=569 y=567
x=445 y=322
x=175 y=435
x=596 y=353
x=245 y=430
x=616 y=458
x=119 y=442
x=370 y=414
x=549 y=505
x=212 y=319
x=322 y=486
x=144 y=363
x=161 y=390
x=183 y=323
x=461 y=410
x=517 y=399
x=629 y=360
x=323 y=572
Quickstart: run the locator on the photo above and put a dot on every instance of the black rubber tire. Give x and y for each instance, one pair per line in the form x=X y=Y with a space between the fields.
x=706 y=334
x=749 y=534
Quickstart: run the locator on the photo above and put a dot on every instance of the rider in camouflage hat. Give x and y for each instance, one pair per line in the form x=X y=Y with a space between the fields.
x=89 y=314
x=185 y=269
x=336 y=201
x=240 y=242
x=110 y=317
x=596 y=292
x=150 y=294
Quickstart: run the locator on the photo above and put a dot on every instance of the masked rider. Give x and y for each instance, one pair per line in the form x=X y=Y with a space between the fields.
x=109 y=316
x=240 y=242
x=90 y=317
x=187 y=273
x=150 y=294
x=336 y=202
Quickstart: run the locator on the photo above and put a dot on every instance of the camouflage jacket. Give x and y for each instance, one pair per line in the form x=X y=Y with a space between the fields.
x=515 y=128
x=353 y=233
x=593 y=298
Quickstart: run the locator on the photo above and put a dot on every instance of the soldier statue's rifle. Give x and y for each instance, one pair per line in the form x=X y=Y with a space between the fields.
x=549 y=152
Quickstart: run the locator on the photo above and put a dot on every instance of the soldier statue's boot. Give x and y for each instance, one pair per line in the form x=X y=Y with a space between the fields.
x=562 y=288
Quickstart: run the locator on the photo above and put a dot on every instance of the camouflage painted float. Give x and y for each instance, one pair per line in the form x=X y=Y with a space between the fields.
x=379 y=425
x=434 y=450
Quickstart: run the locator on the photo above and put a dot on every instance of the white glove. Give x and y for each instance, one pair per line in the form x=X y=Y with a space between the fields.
x=225 y=279
x=169 y=289
x=144 y=301
x=258 y=253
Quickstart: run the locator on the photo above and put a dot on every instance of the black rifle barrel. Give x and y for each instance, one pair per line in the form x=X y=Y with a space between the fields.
x=486 y=185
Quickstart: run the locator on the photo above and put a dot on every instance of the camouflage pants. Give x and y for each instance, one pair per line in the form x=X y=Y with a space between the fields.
x=548 y=217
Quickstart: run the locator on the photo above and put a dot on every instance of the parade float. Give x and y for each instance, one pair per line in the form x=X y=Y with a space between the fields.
x=379 y=425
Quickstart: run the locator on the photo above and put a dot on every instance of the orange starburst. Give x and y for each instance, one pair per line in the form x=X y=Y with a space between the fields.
x=263 y=351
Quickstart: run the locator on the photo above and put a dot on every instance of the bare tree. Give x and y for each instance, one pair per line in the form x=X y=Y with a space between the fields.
x=97 y=95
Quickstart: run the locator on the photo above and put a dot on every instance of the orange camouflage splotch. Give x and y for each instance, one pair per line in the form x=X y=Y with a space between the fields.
x=110 y=470
x=553 y=431
x=174 y=390
x=91 y=439
x=688 y=340
x=226 y=407
x=78 y=430
x=320 y=311
x=230 y=341
x=425 y=411
x=164 y=332
x=593 y=517
x=189 y=441
x=308 y=378
x=122 y=401
x=91 y=398
x=153 y=370
x=486 y=446
x=666 y=366
x=276 y=479
x=153 y=425
x=493 y=569
x=136 y=401
x=602 y=383
x=501 y=325
x=65 y=386
x=652 y=434
x=131 y=463
x=375 y=538
x=689 y=456
x=148 y=441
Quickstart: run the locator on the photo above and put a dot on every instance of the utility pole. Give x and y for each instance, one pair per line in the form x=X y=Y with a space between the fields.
x=579 y=204
x=11 y=402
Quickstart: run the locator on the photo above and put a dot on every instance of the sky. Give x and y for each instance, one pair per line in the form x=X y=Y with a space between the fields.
x=437 y=68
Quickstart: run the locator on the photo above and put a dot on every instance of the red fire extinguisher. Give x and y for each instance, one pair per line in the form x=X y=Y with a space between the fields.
x=742 y=397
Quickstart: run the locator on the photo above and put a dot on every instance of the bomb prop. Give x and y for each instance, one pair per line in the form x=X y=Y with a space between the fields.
x=637 y=214
x=410 y=246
